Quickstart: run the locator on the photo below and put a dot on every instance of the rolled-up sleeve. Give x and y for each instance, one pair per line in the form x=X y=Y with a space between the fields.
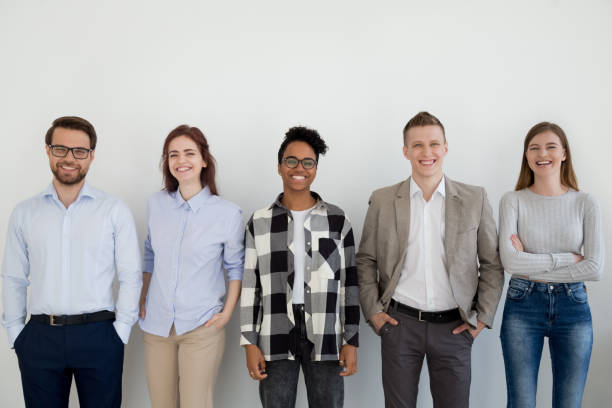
x=233 y=248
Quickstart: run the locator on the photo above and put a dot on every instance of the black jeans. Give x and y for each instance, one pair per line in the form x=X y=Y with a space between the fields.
x=324 y=385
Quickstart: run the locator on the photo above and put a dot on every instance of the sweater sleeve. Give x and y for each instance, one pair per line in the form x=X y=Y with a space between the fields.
x=524 y=263
x=590 y=268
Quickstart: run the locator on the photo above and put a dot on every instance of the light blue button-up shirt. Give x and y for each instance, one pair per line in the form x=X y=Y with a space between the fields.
x=188 y=245
x=68 y=257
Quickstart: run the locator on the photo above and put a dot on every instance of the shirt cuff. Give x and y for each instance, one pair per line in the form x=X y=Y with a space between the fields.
x=123 y=331
x=13 y=333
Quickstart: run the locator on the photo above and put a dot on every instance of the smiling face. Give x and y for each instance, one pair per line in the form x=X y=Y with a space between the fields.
x=68 y=170
x=185 y=160
x=545 y=154
x=425 y=148
x=297 y=179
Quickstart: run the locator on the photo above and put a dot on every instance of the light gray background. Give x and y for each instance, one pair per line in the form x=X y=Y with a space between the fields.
x=357 y=71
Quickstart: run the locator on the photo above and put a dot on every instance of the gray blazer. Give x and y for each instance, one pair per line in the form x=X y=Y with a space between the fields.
x=470 y=243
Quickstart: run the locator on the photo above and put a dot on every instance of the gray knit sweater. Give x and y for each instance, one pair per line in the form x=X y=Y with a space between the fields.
x=551 y=230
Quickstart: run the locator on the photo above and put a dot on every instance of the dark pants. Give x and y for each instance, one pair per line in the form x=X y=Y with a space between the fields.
x=50 y=355
x=324 y=385
x=449 y=361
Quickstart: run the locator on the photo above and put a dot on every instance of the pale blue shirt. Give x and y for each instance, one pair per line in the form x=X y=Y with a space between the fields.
x=188 y=245
x=68 y=257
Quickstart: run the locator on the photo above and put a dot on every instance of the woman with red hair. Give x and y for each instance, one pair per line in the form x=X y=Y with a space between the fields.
x=193 y=235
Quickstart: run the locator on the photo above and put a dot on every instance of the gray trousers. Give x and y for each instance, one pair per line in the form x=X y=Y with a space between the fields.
x=449 y=361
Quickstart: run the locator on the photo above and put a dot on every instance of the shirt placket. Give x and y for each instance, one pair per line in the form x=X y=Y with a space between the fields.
x=66 y=260
x=308 y=306
x=308 y=257
x=427 y=254
x=176 y=264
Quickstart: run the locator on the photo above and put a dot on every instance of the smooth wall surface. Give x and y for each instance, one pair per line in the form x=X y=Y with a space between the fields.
x=246 y=71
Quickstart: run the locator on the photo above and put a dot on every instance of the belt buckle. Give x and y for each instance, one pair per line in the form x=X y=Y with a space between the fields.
x=52 y=321
x=420 y=320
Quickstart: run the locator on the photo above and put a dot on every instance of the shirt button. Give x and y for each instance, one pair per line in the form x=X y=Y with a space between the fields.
x=308 y=243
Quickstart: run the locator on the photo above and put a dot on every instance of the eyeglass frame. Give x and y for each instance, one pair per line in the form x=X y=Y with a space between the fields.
x=300 y=161
x=70 y=150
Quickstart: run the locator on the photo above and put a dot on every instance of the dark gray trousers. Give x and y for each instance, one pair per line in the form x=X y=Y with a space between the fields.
x=324 y=385
x=449 y=361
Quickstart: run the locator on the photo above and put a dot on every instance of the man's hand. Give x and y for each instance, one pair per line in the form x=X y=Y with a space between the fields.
x=380 y=318
x=256 y=364
x=219 y=320
x=348 y=360
x=473 y=332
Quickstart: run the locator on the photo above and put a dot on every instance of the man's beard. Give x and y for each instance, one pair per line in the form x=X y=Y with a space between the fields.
x=68 y=180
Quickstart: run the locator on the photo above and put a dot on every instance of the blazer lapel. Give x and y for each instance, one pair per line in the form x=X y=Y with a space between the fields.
x=402 y=214
x=452 y=215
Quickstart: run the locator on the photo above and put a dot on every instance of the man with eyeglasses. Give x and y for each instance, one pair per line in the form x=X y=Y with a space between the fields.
x=65 y=244
x=300 y=299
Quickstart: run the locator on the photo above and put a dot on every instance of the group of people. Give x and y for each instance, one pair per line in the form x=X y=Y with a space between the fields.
x=428 y=275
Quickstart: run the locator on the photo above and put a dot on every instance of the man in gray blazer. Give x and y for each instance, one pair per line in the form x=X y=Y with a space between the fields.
x=429 y=272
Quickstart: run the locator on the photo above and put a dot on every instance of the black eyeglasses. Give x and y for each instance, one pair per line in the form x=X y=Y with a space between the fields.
x=78 y=153
x=307 y=163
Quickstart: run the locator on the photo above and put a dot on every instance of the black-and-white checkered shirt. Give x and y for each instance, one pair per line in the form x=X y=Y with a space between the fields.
x=331 y=291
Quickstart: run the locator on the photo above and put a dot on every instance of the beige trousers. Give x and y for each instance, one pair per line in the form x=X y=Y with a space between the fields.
x=182 y=370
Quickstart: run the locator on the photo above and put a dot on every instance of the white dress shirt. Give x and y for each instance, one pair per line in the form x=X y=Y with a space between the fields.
x=424 y=283
x=68 y=257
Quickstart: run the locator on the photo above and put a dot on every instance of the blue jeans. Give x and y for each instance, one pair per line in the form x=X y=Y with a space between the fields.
x=324 y=385
x=559 y=311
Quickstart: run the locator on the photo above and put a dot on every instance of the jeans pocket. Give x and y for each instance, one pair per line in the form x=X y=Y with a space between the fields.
x=516 y=293
x=578 y=294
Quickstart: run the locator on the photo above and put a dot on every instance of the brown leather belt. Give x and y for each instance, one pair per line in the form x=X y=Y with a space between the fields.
x=67 y=320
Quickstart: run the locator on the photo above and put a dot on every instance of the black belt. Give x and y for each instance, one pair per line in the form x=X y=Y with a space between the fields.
x=66 y=320
x=444 y=316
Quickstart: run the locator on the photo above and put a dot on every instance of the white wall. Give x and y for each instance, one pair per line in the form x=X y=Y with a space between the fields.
x=246 y=71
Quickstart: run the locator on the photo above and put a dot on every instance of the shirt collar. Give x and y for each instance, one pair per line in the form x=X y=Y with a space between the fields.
x=320 y=204
x=86 y=191
x=415 y=189
x=195 y=202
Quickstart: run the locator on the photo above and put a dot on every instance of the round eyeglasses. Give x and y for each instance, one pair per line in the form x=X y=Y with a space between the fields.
x=307 y=163
x=78 y=153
